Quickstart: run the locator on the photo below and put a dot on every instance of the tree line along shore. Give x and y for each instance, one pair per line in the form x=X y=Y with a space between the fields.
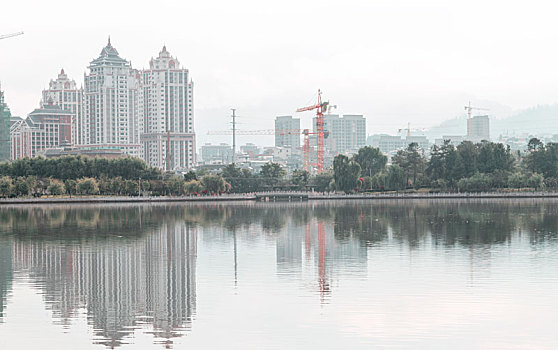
x=467 y=167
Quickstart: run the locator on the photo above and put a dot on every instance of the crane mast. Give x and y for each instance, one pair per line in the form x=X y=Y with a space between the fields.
x=320 y=108
x=469 y=110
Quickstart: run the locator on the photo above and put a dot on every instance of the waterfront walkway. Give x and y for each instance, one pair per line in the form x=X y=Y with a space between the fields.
x=277 y=196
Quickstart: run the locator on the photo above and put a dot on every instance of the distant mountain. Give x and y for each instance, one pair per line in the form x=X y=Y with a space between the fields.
x=538 y=120
x=451 y=127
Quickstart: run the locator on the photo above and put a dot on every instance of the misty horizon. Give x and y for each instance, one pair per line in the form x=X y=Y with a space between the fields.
x=394 y=62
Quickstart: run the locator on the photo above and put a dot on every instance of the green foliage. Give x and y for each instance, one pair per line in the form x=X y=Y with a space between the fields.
x=379 y=181
x=131 y=187
x=87 y=186
x=240 y=180
x=535 y=181
x=176 y=186
x=21 y=187
x=300 y=179
x=521 y=180
x=345 y=173
x=371 y=160
x=476 y=183
x=412 y=161
x=441 y=162
x=75 y=167
x=396 y=179
x=71 y=186
x=56 y=187
x=542 y=159
x=493 y=157
x=272 y=173
x=322 y=182
x=452 y=164
x=193 y=187
x=191 y=175
x=213 y=183
x=117 y=185
x=366 y=184
x=6 y=186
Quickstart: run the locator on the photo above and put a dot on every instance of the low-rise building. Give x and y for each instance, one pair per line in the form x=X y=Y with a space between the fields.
x=221 y=153
x=389 y=143
x=44 y=128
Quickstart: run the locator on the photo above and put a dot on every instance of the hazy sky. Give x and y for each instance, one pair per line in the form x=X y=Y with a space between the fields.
x=395 y=61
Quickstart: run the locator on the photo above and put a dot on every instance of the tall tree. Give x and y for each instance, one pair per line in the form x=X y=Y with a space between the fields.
x=272 y=173
x=468 y=159
x=300 y=178
x=213 y=183
x=396 y=178
x=321 y=182
x=412 y=161
x=371 y=160
x=345 y=173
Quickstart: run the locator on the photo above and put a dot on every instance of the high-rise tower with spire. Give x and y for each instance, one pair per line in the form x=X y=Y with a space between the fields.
x=65 y=93
x=111 y=104
x=167 y=110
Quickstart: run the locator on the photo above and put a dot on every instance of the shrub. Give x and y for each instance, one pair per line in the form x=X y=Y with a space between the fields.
x=56 y=187
x=87 y=185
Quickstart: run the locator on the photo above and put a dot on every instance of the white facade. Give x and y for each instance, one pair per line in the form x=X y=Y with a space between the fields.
x=65 y=93
x=347 y=133
x=111 y=104
x=286 y=132
x=166 y=107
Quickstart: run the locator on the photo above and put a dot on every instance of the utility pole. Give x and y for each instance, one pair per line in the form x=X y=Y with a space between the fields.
x=233 y=134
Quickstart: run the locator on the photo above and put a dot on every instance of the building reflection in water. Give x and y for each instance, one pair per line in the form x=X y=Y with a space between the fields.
x=6 y=273
x=315 y=240
x=134 y=267
x=123 y=285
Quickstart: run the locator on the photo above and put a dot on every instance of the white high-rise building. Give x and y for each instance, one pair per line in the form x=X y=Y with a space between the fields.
x=286 y=132
x=168 y=114
x=65 y=93
x=347 y=133
x=111 y=117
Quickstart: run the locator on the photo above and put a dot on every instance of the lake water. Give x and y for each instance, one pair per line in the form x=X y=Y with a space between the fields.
x=329 y=275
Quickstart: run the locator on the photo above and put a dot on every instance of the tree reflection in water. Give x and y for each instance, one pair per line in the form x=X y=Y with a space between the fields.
x=132 y=266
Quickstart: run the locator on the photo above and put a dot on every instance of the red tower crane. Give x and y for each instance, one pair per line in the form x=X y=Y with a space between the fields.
x=320 y=107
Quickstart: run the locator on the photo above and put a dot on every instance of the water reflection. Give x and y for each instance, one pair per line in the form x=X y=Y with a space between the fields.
x=128 y=276
x=134 y=266
x=6 y=273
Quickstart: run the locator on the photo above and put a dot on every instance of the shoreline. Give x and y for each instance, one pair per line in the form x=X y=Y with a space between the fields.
x=277 y=197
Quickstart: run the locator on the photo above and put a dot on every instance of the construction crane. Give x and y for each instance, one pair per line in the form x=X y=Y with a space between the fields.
x=305 y=132
x=469 y=110
x=257 y=132
x=408 y=129
x=320 y=108
x=6 y=36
